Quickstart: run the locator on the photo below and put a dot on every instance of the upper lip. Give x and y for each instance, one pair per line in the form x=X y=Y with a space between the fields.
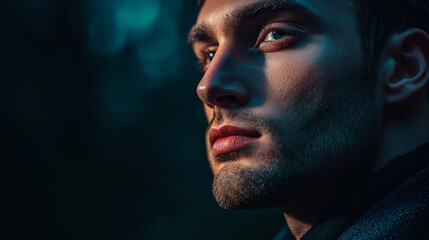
x=227 y=130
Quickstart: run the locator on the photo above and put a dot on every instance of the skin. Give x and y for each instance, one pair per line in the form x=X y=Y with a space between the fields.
x=325 y=123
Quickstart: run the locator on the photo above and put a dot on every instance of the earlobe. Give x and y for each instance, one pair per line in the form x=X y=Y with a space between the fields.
x=405 y=72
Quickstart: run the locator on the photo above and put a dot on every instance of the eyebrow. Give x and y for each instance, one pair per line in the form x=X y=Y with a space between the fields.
x=202 y=32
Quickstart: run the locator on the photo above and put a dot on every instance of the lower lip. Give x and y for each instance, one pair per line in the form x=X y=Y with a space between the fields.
x=230 y=144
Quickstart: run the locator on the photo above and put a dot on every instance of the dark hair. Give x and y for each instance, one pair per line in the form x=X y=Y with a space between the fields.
x=378 y=19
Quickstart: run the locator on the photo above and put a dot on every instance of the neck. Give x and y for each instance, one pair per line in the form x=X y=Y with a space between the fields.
x=297 y=227
x=309 y=208
x=405 y=129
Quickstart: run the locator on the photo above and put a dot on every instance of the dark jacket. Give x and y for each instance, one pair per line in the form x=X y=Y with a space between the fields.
x=393 y=204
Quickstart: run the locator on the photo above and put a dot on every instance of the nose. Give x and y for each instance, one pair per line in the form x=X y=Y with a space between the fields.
x=223 y=84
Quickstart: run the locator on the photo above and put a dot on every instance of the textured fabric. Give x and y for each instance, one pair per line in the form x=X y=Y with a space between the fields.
x=392 y=204
x=399 y=215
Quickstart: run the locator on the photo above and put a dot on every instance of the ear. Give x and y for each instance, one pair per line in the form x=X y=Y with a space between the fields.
x=405 y=69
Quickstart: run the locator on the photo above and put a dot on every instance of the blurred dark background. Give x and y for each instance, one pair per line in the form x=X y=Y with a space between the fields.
x=101 y=130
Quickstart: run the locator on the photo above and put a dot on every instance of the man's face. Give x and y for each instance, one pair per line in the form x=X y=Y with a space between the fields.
x=290 y=105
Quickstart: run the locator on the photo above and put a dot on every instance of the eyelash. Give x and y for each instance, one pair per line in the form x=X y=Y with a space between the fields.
x=267 y=46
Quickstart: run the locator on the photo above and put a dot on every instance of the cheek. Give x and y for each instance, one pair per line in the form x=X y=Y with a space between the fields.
x=306 y=75
x=208 y=112
x=294 y=76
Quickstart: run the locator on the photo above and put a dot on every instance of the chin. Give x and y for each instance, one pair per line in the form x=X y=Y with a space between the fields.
x=275 y=179
x=243 y=185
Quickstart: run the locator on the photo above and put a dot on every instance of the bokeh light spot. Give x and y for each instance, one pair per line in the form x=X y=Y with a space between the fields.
x=105 y=36
x=137 y=15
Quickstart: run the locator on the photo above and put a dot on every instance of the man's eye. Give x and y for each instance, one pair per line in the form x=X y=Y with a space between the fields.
x=277 y=35
x=206 y=60
x=210 y=56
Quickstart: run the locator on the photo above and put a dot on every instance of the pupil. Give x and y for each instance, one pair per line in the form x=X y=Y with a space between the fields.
x=211 y=56
x=278 y=34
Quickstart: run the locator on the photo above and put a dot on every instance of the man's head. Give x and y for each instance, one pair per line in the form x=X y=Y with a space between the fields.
x=295 y=93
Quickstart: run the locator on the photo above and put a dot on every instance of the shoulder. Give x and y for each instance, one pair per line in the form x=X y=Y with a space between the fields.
x=401 y=214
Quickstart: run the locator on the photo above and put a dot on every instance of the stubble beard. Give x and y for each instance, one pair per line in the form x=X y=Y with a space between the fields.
x=236 y=186
x=336 y=145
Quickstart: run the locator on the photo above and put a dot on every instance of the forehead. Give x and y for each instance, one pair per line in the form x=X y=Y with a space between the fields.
x=216 y=12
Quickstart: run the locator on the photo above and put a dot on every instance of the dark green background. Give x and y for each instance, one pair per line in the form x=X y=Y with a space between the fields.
x=102 y=132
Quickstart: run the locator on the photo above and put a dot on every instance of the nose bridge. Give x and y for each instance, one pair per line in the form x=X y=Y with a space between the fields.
x=223 y=84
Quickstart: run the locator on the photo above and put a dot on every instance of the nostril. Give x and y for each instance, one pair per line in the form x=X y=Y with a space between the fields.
x=227 y=100
x=225 y=92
